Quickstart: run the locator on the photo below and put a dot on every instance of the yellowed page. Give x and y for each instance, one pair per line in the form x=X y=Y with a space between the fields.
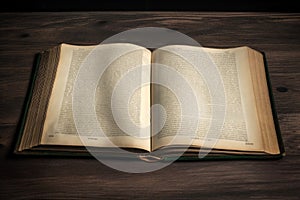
x=241 y=127
x=59 y=126
x=263 y=103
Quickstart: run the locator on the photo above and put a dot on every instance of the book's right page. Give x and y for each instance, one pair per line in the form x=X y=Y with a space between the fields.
x=245 y=126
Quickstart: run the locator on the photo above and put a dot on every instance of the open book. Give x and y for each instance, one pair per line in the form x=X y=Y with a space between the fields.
x=246 y=125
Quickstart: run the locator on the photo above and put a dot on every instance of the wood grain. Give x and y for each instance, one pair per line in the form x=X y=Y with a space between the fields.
x=24 y=34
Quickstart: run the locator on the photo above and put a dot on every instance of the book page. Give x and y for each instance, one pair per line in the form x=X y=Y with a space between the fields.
x=240 y=130
x=263 y=102
x=59 y=126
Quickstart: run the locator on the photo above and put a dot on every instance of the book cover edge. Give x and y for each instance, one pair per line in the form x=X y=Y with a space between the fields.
x=273 y=107
x=26 y=104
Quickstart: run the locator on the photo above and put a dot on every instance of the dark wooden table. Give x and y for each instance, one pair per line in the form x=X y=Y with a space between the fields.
x=24 y=34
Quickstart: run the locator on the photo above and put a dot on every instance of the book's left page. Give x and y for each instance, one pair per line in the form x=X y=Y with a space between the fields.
x=59 y=127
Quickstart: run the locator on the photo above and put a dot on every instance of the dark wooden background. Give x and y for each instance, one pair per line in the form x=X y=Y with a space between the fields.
x=24 y=34
x=151 y=5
